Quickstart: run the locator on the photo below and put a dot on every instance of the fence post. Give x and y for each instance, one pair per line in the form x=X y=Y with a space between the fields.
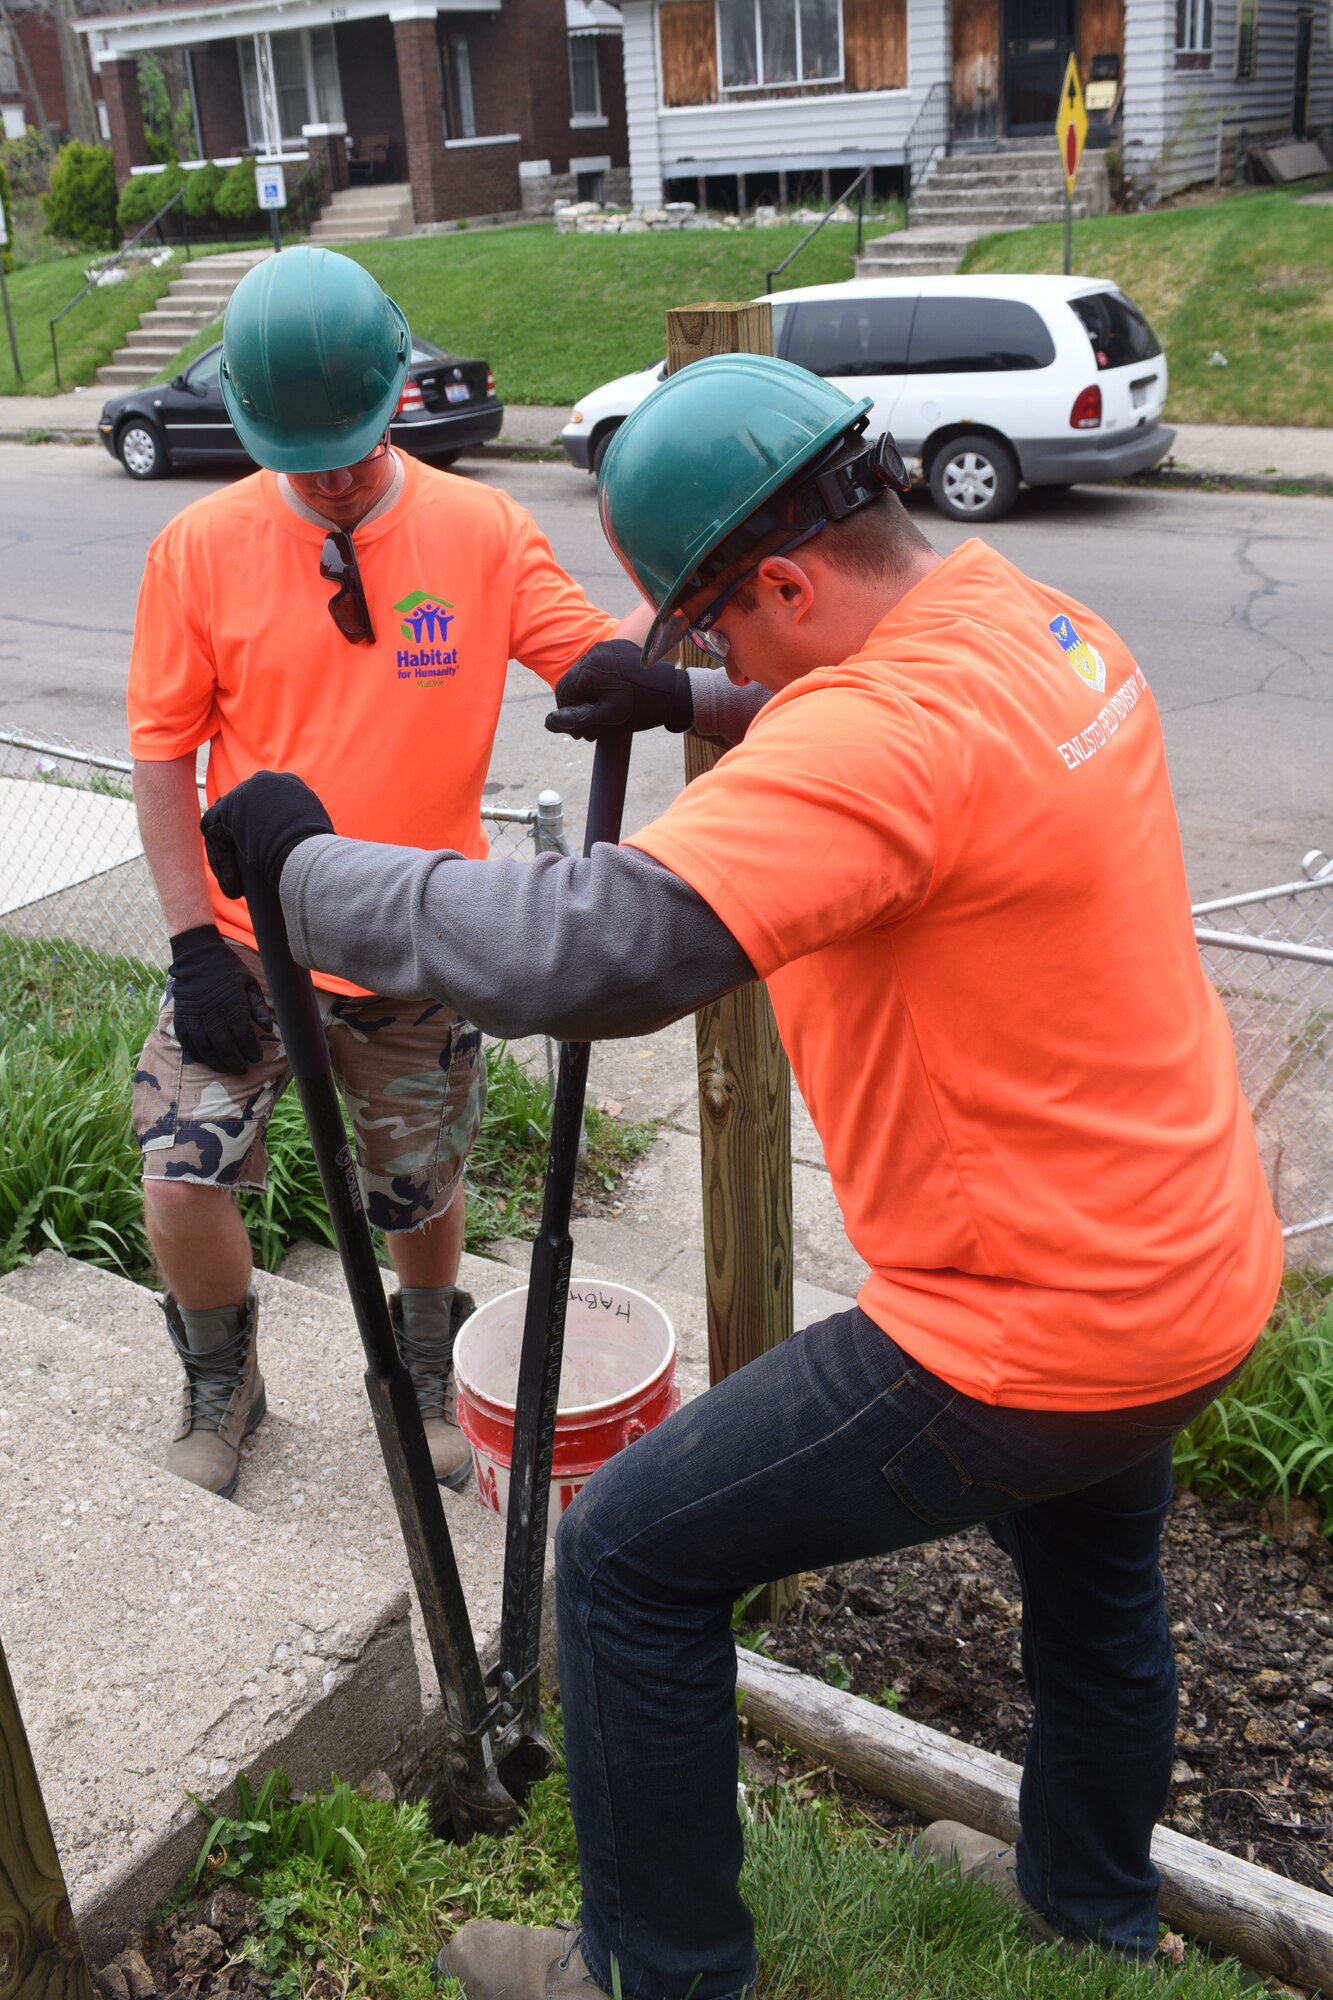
x=40 y=1957
x=744 y=1078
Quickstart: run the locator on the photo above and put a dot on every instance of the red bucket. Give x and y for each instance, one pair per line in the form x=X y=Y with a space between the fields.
x=617 y=1381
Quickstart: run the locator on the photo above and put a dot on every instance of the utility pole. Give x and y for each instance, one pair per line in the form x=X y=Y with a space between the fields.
x=40 y=1958
x=744 y=1076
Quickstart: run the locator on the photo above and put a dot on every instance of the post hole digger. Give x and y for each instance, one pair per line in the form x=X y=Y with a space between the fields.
x=496 y=1743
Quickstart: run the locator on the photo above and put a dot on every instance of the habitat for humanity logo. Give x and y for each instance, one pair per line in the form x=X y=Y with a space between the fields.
x=1087 y=663
x=426 y=621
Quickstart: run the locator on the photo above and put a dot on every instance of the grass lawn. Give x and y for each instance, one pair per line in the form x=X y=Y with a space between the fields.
x=1250 y=277
x=557 y=315
x=88 y=336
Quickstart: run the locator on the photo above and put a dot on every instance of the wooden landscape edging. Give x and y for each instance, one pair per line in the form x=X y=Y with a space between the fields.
x=1267 y=1922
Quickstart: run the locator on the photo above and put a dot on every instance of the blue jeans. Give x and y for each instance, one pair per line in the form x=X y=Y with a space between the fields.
x=834 y=1446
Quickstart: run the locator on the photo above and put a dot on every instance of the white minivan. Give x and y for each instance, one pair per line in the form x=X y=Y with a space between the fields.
x=985 y=382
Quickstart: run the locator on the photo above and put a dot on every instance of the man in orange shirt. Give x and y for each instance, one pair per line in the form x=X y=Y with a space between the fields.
x=347 y=614
x=946 y=840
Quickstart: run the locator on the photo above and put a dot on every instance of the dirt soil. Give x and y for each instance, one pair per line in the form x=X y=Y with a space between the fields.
x=1250 y=1599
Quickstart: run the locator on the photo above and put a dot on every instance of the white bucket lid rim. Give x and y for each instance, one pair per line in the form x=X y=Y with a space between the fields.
x=571 y=1411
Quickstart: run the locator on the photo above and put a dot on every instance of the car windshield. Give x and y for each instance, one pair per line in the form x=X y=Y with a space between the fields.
x=203 y=373
x=1119 y=334
x=425 y=350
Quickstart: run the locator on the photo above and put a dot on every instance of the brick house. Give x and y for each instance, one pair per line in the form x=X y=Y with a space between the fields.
x=481 y=106
x=32 y=81
x=751 y=93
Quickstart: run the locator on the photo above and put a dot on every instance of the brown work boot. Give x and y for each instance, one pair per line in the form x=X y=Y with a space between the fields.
x=427 y=1349
x=222 y=1402
x=510 y=1962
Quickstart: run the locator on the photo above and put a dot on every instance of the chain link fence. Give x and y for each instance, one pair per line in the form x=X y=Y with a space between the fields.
x=1270 y=956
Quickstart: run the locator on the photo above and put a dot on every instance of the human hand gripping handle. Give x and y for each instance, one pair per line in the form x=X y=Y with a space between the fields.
x=608 y=690
x=218 y=1006
x=258 y=823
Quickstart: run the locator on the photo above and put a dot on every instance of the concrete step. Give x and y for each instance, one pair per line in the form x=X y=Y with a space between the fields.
x=158 y=1640
x=312 y=1472
x=325 y=233
x=375 y=209
x=373 y=194
x=908 y=266
x=936 y=206
x=199 y=293
x=125 y=374
x=148 y=339
x=1016 y=168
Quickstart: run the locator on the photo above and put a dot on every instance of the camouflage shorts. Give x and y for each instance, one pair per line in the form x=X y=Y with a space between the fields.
x=412 y=1075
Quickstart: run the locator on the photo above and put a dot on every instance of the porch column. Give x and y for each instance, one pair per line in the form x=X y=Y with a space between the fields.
x=421 y=87
x=327 y=146
x=124 y=115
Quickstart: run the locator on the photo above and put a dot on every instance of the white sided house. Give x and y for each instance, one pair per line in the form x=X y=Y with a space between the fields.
x=767 y=91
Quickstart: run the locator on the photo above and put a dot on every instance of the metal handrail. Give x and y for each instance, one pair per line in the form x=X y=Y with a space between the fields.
x=154 y=222
x=939 y=96
x=857 y=188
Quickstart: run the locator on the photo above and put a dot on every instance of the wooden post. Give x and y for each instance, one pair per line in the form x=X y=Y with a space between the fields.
x=40 y=1957
x=744 y=1077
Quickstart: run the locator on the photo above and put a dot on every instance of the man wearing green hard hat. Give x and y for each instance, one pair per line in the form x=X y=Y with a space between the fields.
x=347 y=614
x=945 y=838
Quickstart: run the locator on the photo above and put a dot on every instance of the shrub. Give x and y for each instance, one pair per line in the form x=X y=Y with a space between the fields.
x=1271 y=1432
x=29 y=161
x=144 y=194
x=201 y=187
x=236 y=200
x=81 y=201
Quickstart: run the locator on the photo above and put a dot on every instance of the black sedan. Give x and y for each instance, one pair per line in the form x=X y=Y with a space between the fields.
x=447 y=407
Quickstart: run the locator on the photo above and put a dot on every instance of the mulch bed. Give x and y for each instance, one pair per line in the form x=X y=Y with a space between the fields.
x=1250 y=1598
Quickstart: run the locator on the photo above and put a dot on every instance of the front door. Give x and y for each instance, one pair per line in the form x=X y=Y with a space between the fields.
x=1038 y=41
x=1301 y=105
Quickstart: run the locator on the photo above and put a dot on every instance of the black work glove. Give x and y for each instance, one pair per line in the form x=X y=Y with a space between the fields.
x=218 y=1003
x=607 y=690
x=260 y=822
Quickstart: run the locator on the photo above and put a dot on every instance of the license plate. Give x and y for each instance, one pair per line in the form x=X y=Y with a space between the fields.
x=456 y=392
x=1140 y=391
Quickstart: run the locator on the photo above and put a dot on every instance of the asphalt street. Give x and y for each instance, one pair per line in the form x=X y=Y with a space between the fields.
x=1227 y=601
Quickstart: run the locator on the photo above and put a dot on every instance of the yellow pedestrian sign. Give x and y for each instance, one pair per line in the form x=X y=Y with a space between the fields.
x=1071 y=127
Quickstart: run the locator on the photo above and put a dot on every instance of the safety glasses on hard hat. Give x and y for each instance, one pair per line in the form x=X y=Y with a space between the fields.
x=347 y=607
x=698 y=629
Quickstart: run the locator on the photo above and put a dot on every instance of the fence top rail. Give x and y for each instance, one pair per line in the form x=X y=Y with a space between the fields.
x=1261 y=947
x=18 y=741
x=1320 y=878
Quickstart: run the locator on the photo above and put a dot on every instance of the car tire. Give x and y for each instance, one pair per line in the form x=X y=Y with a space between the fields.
x=599 y=449
x=973 y=478
x=140 y=449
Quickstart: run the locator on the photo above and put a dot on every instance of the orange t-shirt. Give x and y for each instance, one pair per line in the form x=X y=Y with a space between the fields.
x=955 y=860
x=234 y=647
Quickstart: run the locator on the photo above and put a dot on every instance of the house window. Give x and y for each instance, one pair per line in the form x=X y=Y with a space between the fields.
x=1247 y=26
x=585 y=91
x=460 y=62
x=1194 y=32
x=297 y=74
x=767 y=42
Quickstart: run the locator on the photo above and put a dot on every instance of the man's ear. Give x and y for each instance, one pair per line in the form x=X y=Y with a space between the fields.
x=793 y=586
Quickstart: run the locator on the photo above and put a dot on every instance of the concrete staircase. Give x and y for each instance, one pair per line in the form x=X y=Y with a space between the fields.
x=194 y=301
x=972 y=194
x=365 y=215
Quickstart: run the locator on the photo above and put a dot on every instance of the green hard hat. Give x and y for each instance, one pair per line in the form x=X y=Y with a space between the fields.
x=703 y=453
x=314 y=357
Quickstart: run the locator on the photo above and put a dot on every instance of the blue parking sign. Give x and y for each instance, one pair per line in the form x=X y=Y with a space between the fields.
x=270 y=187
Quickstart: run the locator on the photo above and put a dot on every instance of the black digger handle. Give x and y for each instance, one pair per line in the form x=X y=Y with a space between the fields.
x=538 y=1388
x=478 y=1800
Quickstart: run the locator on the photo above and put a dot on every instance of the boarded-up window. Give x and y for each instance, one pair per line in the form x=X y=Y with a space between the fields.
x=976 y=67
x=874 y=40
x=689 y=52
x=1101 y=32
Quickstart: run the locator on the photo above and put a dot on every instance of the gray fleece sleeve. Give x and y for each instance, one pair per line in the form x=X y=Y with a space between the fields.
x=583 y=950
x=722 y=712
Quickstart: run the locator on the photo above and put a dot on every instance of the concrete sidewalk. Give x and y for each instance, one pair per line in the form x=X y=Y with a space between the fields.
x=1256 y=454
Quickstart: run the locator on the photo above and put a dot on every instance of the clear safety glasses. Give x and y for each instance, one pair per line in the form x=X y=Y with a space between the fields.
x=700 y=629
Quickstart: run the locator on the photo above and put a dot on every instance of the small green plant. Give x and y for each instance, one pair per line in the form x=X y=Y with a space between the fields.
x=754 y=1638
x=144 y=194
x=201 y=189
x=237 y=201
x=269 y=1825
x=36 y=436
x=81 y=201
x=1271 y=1432
x=836 y=1672
x=890 y=1698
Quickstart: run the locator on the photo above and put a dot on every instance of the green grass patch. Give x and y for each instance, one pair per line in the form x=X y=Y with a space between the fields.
x=1250 y=277
x=356 y=1895
x=556 y=316
x=88 y=336
x=72 y=1023
x=1272 y=1430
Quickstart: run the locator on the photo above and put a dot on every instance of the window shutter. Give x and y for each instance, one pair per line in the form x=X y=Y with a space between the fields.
x=874 y=40
x=689 y=51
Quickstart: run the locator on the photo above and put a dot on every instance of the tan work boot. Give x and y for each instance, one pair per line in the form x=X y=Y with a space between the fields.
x=222 y=1402
x=428 y=1354
x=980 y=1858
x=510 y=1962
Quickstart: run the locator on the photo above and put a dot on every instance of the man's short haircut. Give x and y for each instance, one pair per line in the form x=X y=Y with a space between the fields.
x=878 y=543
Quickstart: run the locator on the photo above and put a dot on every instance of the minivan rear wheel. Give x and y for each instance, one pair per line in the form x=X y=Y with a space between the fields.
x=973 y=478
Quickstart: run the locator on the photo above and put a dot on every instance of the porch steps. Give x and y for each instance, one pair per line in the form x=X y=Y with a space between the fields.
x=365 y=215
x=198 y=297
x=972 y=194
x=161 y=1639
